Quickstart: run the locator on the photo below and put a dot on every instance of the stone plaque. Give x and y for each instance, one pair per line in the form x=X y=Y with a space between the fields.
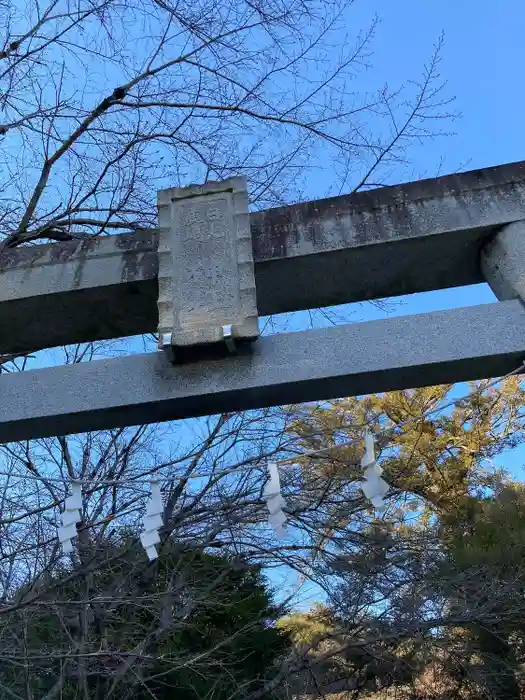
x=206 y=277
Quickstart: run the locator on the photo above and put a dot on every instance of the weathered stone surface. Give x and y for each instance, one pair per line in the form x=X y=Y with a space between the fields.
x=396 y=240
x=397 y=353
x=503 y=262
x=206 y=278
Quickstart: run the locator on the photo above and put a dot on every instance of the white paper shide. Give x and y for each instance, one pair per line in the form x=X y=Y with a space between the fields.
x=274 y=501
x=70 y=517
x=152 y=522
x=374 y=487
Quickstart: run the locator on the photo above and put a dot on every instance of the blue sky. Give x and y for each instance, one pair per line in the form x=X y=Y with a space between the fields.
x=482 y=61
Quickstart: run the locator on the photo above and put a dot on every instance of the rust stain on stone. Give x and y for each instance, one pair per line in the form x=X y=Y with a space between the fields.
x=359 y=217
x=139 y=266
x=143 y=240
x=139 y=255
x=270 y=231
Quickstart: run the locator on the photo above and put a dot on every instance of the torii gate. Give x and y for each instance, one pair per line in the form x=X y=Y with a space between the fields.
x=220 y=267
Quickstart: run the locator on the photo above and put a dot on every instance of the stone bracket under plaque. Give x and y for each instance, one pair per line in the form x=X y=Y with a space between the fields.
x=206 y=277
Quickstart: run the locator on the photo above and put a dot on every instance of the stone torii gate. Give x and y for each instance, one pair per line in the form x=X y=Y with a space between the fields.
x=211 y=268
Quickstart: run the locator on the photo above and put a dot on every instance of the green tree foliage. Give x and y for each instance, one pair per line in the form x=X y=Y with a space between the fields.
x=210 y=620
x=441 y=571
x=309 y=628
x=438 y=456
x=483 y=574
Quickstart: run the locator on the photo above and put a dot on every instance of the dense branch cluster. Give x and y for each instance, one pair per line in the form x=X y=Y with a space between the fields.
x=431 y=588
x=103 y=102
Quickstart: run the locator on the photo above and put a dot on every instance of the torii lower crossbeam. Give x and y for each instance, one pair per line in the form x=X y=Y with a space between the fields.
x=425 y=349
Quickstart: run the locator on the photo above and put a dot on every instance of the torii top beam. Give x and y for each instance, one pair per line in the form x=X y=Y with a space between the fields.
x=395 y=240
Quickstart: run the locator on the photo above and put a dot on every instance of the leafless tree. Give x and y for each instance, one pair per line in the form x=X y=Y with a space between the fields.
x=212 y=474
x=105 y=101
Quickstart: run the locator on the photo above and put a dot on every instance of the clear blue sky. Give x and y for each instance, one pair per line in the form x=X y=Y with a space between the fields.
x=483 y=61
